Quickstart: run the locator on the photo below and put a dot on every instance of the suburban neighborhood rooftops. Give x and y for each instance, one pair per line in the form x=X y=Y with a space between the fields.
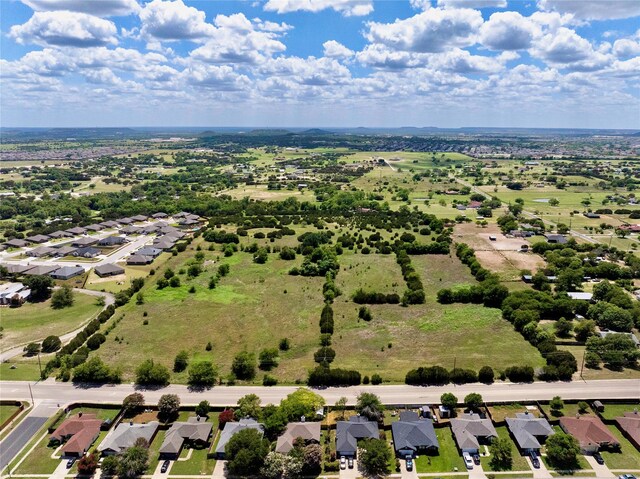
x=139 y=259
x=67 y=272
x=527 y=429
x=555 y=238
x=41 y=270
x=195 y=429
x=84 y=241
x=79 y=431
x=38 y=238
x=65 y=250
x=110 y=224
x=76 y=230
x=16 y=243
x=411 y=433
x=42 y=251
x=348 y=433
x=630 y=423
x=126 y=434
x=231 y=428
x=94 y=227
x=309 y=431
x=588 y=430
x=149 y=251
x=469 y=427
x=112 y=240
x=60 y=234
x=109 y=269
x=13 y=268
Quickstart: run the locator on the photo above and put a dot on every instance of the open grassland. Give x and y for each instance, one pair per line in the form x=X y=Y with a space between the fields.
x=378 y=273
x=262 y=193
x=36 y=321
x=601 y=373
x=252 y=308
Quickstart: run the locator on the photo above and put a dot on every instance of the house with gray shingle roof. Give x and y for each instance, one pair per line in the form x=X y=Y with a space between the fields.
x=125 y=435
x=413 y=435
x=349 y=432
x=16 y=243
x=65 y=251
x=38 y=238
x=60 y=234
x=76 y=230
x=470 y=430
x=195 y=431
x=67 y=272
x=232 y=428
x=529 y=431
x=41 y=251
x=109 y=269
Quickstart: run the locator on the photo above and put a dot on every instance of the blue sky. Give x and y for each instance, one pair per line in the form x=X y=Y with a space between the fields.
x=447 y=63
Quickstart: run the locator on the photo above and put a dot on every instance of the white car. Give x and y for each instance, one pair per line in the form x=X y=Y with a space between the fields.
x=468 y=460
x=343 y=462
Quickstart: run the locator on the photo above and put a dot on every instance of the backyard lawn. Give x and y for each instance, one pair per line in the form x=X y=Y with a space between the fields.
x=36 y=321
x=612 y=411
x=628 y=458
x=519 y=462
x=448 y=456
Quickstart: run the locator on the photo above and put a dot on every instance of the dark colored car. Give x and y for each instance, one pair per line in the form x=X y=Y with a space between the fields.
x=535 y=462
x=476 y=459
x=598 y=458
x=165 y=466
x=409 y=463
x=70 y=463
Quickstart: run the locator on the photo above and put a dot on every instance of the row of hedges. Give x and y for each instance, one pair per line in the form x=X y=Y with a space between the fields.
x=439 y=376
x=415 y=290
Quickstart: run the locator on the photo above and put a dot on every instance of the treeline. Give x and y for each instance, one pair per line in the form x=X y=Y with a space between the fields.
x=439 y=376
x=415 y=290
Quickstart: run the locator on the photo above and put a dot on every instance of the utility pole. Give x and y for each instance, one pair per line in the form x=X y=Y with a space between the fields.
x=582 y=367
x=39 y=365
x=33 y=403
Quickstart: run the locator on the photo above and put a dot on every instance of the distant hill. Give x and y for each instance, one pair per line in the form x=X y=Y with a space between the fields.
x=315 y=132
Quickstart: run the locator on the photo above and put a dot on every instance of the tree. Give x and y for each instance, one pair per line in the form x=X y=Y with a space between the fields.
x=133 y=462
x=582 y=407
x=168 y=405
x=150 y=373
x=132 y=402
x=563 y=327
x=312 y=459
x=341 y=405
x=450 y=401
x=281 y=466
x=95 y=371
x=556 y=404
x=375 y=457
x=181 y=361
x=88 y=464
x=302 y=402
x=500 y=450
x=473 y=401
x=51 y=344
x=203 y=408
x=585 y=329
x=268 y=359
x=244 y=366
x=245 y=452
x=260 y=256
x=40 y=287
x=31 y=349
x=109 y=466
x=485 y=375
x=562 y=451
x=225 y=416
x=369 y=406
x=249 y=406
x=202 y=374
x=62 y=298
x=285 y=344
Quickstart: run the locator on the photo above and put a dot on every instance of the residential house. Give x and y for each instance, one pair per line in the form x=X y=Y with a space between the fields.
x=159 y=215
x=231 y=428
x=112 y=241
x=309 y=432
x=76 y=231
x=349 y=432
x=15 y=243
x=580 y=295
x=125 y=221
x=139 y=259
x=470 y=430
x=556 y=239
x=529 y=431
x=413 y=435
x=196 y=431
x=14 y=294
x=164 y=245
x=139 y=218
x=38 y=239
x=125 y=435
x=83 y=242
x=131 y=230
x=88 y=252
x=64 y=251
x=41 y=251
x=60 y=235
x=109 y=269
x=41 y=270
x=590 y=431
x=591 y=215
x=78 y=433
x=629 y=424
x=67 y=272
x=95 y=227
x=149 y=251
x=110 y=224
x=13 y=268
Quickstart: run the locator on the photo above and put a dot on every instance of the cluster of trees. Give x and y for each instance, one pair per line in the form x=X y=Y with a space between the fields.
x=129 y=464
x=360 y=296
x=62 y=298
x=415 y=290
x=616 y=351
x=439 y=376
x=319 y=262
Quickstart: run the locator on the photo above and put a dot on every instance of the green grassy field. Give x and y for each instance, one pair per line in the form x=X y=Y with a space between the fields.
x=612 y=411
x=6 y=411
x=36 y=321
x=519 y=462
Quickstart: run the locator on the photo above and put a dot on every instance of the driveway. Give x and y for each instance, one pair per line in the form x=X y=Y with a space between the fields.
x=540 y=473
x=17 y=439
x=601 y=470
x=477 y=472
x=218 y=470
x=404 y=474
x=158 y=474
x=350 y=473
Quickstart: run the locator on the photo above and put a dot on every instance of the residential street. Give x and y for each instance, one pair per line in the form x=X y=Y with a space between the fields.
x=66 y=393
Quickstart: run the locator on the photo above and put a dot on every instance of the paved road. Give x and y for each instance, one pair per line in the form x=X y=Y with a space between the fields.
x=66 y=393
x=13 y=443
x=65 y=338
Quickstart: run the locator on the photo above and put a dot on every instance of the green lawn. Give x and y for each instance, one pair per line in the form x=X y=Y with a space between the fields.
x=627 y=458
x=197 y=464
x=499 y=413
x=6 y=411
x=448 y=456
x=569 y=409
x=612 y=411
x=36 y=321
x=25 y=370
x=39 y=461
x=519 y=462
x=154 y=451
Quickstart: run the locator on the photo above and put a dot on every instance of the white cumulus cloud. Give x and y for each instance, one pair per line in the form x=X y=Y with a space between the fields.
x=64 y=28
x=594 y=9
x=173 y=20
x=99 y=8
x=473 y=3
x=348 y=8
x=333 y=49
x=508 y=31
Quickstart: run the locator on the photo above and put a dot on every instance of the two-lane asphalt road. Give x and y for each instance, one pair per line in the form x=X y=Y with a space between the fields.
x=65 y=393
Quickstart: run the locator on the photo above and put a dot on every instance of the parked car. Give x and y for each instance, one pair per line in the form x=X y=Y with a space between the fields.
x=70 y=463
x=468 y=461
x=535 y=462
x=350 y=462
x=165 y=467
x=627 y=476
x=343 y=462
x=409 y=464
x=476 y=459
x=598 y=458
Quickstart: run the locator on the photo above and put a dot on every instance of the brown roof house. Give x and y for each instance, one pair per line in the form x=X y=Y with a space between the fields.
x=630 y=426
x=590 y=431
x=309 y=432
x=77 y=433
x=195 y=431
x=470 y=430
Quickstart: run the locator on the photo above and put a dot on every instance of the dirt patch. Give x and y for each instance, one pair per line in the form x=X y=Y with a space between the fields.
x=479 y=238
x=145 y=417
x=528 y=261
x=493 y=261
x=107 y=279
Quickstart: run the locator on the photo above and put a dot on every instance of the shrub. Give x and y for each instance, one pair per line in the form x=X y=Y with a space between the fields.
x=51 y=344
x=486 y=375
